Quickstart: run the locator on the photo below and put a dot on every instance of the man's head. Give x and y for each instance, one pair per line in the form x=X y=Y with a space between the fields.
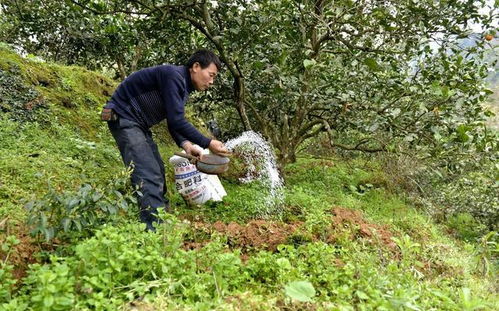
x=203 y=67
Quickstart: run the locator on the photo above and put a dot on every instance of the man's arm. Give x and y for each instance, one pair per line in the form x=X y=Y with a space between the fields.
x=179 y=127
x=179 y=139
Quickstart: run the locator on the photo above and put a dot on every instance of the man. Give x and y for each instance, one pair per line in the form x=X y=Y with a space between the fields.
x=145 y=98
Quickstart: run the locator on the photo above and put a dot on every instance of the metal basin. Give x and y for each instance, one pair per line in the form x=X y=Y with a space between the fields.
x=208 y=163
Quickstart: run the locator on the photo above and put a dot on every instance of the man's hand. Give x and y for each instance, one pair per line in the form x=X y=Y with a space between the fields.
x=217 y=147
x=189 y=148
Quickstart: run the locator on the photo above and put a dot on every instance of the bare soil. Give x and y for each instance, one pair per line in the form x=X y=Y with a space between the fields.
x=377 y=234
x=267 y=235
x=256 y=234
x=22 y=254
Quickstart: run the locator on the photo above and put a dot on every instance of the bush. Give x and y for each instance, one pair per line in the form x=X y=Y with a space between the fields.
x=466 y=226
x=450 y=188
x=474 y=194
x=84 y=210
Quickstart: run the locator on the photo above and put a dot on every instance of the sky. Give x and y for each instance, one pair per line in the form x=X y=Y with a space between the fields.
x=486 y=10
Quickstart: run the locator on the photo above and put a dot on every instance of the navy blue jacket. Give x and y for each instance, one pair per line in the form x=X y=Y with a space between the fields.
x=153 y=94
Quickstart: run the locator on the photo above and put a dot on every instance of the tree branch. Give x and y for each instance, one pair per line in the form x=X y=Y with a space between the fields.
x=357 y=147
x=97 y=12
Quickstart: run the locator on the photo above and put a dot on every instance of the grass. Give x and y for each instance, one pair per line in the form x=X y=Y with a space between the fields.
x=360 y=246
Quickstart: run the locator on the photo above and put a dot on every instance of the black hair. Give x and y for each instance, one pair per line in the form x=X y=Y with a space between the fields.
x=204 y=58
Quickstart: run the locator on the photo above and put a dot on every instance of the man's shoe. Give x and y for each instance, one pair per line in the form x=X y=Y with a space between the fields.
x=150 y=227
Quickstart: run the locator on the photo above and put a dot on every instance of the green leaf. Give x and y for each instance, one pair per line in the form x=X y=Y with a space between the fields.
x=73 y=203
x=48 y=232
x=445 y=91
x=300 y=290
x=77 y=224
x=64 y=301
x=372 y=64
x=489 y=113
x=96 y=196
x=66 y=222
x=258 y=65
x=48 y=301
x=362 y=295
x=461 y=133
x=308 y=63
x=436 y=88
x=283 y=263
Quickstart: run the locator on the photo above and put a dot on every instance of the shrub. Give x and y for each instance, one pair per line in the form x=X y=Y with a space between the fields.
x=89 y=207
x=466 y=226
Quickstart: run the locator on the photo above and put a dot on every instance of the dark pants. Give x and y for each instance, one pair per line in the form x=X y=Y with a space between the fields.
x=139 y=150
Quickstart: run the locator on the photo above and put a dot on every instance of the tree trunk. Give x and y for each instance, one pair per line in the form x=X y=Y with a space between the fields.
x=121 y=69
x=136 y=58
x=239 y=94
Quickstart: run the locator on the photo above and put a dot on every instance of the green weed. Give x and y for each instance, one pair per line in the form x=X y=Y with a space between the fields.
x=6 y=279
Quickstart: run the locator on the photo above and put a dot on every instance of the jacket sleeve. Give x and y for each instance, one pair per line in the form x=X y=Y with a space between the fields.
x=173 y=88
x=179 y=139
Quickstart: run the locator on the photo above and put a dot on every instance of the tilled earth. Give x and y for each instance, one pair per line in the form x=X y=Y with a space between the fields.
x=267 y=235
x=252 y=236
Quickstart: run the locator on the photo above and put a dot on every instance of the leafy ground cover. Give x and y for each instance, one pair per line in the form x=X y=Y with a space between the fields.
x=343 y=240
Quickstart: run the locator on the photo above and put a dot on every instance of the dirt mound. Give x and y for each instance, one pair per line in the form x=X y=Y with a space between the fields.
x=267 y=235
x=344 y=217
x=257 y=234
x=23 y=253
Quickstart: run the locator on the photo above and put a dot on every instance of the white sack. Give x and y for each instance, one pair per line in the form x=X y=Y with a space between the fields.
x=196 y=187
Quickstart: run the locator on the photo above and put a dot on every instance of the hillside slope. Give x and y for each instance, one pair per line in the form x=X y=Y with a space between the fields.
x=49 y=128
x=341 y=242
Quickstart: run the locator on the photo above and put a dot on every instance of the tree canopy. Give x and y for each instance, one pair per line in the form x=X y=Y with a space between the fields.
x=368 y=75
